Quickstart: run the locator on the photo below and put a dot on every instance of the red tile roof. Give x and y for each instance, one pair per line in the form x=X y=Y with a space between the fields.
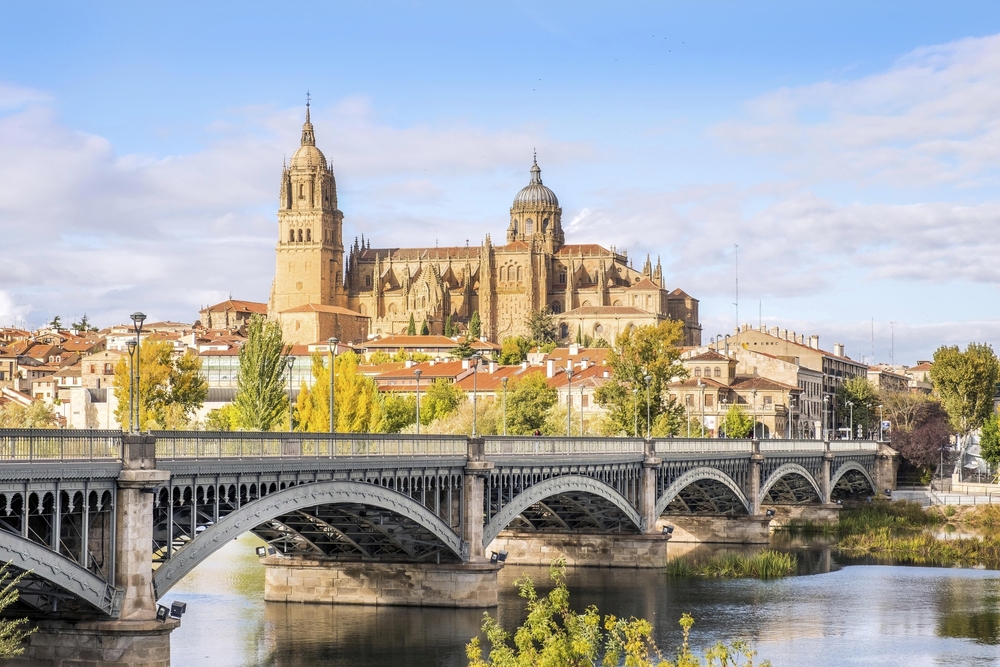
x=239 y=306
x=711 y=355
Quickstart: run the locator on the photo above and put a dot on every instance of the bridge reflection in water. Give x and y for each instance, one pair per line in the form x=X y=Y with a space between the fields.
x=416 y=513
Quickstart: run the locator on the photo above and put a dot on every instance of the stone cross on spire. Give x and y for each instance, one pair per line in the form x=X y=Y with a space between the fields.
x=308 y=137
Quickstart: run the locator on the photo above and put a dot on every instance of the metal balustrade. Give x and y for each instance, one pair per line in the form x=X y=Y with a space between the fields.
x=699 y=445
x=792 y=446
x=42 y=444
x=238 y=444
x=853 y=446
x=534 y=446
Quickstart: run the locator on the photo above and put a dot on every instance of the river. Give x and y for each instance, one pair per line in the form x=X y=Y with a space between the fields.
x=840 y=615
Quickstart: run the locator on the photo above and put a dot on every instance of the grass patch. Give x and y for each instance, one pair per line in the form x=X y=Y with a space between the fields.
x=985 y=517
x=762 y=565
x=921 y=548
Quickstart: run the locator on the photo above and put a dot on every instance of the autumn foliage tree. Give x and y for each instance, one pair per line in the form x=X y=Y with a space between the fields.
x=170 y=388
x=358 y=407
x=966 y=382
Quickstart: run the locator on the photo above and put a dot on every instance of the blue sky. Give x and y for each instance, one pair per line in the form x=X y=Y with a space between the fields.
x=851 y=151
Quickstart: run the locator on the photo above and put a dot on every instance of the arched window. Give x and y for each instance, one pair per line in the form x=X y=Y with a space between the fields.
x=302 y=190
x=300 y=236
x=708 y=372
x=556 y=307
x=519 y=274
x=545 y=224
x=291 y=236
x=563 y=330
x=529 y=227
x=718 y=372
x=598 y=329
x=362 y=309
x=309 y=235
x=697 y=372
x=503 y=273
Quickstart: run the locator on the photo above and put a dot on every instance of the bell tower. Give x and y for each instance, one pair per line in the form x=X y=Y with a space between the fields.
x=310 y=251
x=536 y=215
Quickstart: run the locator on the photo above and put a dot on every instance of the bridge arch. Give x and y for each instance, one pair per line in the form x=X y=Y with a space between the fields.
x=295 y=498
x=852 y=466
x=555 y=486
x=51 y=571
x=695 y=475
x=785 y=470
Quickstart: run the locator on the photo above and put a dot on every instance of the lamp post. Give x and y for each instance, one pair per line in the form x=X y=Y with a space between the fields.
x=723 y=403
x=418 y=373
x=137 y=319
x=648 y=379
x=826 y=407
x=581 y=409
x=754 y=393
x=701 y=385
x=635 y=412
x=333 y=371
x=880 y=434
x=850 y=436
x=131 y=345
x=475 y=372
x=569 y=402
x=290 y=360
x=504 y=383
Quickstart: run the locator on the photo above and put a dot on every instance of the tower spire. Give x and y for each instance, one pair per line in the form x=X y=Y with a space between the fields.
x=308 y=137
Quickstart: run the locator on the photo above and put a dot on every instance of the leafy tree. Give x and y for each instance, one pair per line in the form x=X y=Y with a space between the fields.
x=170 y=389
x=464 y=349
x=379 y=357
x=12 y=631
x=989 y=440
x=358 y=406
x=441 y=399
x=542 y=326
x=579 y=334
x=37 y=415
x=640 y=351
x=921 y=443
x=600 y=342
x=475 y=326
x=400 y=411
x=966 y=382
x=56 y=323
x=514 y=350
x=737 y=423
x=555 y=635
x=411 y=328
x=529 y=400
x=448 y=330
x=424 y=329
x=188 y=389
x=83 y=325
x=261 y=402
x=221 y=419
x=864 y=398
x=903 y=409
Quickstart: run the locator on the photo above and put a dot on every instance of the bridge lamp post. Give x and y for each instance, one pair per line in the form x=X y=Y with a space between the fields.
x=475 y=372
x=290 y=360
x=503 y=381
x=880 y=435
x=333 y=371
x=581 y=409
x=754 y=393
x=418 y=373
x=635 y=411
x=648 y=379
x=701 y=385
x=826 y=407
x=137 y=319
x=131 y=345
x=850 y=404
x=569 y=402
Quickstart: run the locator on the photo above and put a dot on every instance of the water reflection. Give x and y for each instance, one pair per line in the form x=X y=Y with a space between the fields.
x=846 y=616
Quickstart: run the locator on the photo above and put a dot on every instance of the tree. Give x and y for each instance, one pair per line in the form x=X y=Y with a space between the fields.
x=529 y=400
x=411 y=328
x=170 y=389
x=221 y=419
x=56 y=323
x=261 y=402
x=542 y=326
x=966 y=382
x=358 y=406
x=737 y=423
x=188 y=389
x=555 y=635
x=379 y=357
x=640 y=351
x=83 y=325
x=12 y=632
x=400 y=411
x=864 y=399
x=441 y=399
x=579 y=334
x=448 y=331
x=37 y=415
x=464 y=349
x=903 y=409
x=989 y=440
x=514 y=350
x=920 y=437
x=424 y=329
x=475 y=326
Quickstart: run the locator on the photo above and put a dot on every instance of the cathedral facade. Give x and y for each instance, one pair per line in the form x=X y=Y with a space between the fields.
x=316 y=294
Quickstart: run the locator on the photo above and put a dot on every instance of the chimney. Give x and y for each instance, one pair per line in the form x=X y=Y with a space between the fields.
x=493 y=367
x=838 y=349
x=606 y=374
x=465 y=364
x=432 y=362
x=550 y=368
x=783 y=334
x=524 y=365
x=814 y=342
x=408 y=364
x=574 y=349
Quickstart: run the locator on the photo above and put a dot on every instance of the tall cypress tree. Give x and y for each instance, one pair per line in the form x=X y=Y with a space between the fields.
x=424 y=329
x=411 y=328
x=447 y=327
x=475 y=326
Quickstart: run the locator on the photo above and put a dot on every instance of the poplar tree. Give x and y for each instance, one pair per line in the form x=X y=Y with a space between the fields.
x=358 y=406
x=261 y=402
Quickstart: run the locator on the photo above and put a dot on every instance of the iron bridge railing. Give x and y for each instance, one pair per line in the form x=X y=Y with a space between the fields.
x=240 y=444
x=534 y=446
x=44 y=444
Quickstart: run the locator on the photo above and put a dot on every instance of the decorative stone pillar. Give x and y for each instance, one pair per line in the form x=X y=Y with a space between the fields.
x=886 y=466
x=824 y=477
x=477 y=468
x=647 y=490
x=756 y=459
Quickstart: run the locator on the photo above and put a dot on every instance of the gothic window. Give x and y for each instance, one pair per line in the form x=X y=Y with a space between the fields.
x=302 y=190
x=392 y=309
x=545 y=224
x=300 y=236
x=309 y=235
x=503 y=273
x=562 y=278
x=563 y=330
x=556 y=307
x=585 y=304
x=291 y=236
x=718 y=372
x=519 y=274
x=617 y=302
x=598 y=329
x=697 y=372
x=368 y=281
x=529 y=227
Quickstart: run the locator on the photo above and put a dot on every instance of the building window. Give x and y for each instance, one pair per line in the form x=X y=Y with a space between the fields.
x=562 y=278
x=291 y=236
x=708 y=400
x=697 y=372
x=302 y=193
x=309 y=235
x=556 y=307
x=767 y=400
x=584 y=401
x=300 y=236
x=519 y=274
x=109 y=369
x=529 y=227
x=718 y=372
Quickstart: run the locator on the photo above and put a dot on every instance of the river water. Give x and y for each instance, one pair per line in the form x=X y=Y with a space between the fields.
x=838 y=614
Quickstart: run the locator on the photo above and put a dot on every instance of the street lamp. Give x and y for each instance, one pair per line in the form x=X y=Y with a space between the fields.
x=648 y=379
x=701 y=385
x=581 y=409
x=635 y=412
x=880 y=434
x=754 y=392
x=333 y=371
x=131 y=345
x=850 y=404
x=290 y=360
x=826 y=407
x=475 y=372
x=418 y=373
x=504 y=383
x=569 y=402
x=137 y=319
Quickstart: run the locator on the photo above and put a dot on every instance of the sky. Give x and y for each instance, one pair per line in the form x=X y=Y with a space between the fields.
x=841 y=160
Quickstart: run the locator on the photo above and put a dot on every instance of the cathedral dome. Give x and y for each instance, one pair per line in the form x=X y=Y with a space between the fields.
x=534 y=192
x=307 y=156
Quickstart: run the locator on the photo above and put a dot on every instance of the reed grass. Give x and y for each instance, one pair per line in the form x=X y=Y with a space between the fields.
x=766 y=564
x=922 y=548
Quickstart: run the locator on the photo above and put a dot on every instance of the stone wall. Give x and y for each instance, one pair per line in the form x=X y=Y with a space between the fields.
x=822 y=515
x=581 y=549
x=110 y=643
x=404 y=584
x=717 y=529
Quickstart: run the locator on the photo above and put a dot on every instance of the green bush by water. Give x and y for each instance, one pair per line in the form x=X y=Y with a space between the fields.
x=762 y=565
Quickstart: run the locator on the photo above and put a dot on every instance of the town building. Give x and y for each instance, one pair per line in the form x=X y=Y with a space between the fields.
x=231 y=314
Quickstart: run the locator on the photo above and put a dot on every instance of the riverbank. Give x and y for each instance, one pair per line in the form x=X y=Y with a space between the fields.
x=766 y=564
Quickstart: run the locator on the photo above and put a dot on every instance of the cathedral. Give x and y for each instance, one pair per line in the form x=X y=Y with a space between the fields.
x=593 y=292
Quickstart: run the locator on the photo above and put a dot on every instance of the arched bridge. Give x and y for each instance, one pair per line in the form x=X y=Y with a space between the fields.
x=88 y=511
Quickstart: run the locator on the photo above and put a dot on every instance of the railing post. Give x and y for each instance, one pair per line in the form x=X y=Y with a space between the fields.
x=824 y=482
x=756 y=461
x=647 y=490
x=477 y=469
